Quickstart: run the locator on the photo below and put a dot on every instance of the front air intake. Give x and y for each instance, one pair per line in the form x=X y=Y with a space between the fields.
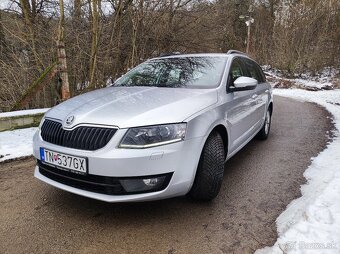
x=82 y=137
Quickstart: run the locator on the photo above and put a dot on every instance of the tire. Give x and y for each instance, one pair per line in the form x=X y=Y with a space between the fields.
x=264 y=132
x=210 y=170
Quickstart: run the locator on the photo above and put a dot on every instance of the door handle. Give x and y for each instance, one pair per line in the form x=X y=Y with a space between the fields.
x=267 y=91
x=254 y=96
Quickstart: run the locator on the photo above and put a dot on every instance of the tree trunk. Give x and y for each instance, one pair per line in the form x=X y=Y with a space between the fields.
x=95 y=38
x=65 y=87
x=77 y=9
x=2 y=38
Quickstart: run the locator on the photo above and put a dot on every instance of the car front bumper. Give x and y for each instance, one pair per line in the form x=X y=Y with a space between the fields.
x=180 y=160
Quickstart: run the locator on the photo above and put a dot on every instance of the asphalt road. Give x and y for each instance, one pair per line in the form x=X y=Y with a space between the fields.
x=259 y=182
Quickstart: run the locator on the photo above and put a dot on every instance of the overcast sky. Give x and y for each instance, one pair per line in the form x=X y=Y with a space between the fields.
x=3 y=4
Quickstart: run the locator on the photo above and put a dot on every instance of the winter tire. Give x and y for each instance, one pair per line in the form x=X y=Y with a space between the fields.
x=264 y=132
x=209 y=175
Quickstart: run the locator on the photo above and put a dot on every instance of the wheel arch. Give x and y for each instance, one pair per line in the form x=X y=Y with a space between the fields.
x=221 y=129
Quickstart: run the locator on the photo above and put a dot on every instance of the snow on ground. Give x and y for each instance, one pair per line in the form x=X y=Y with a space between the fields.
x=326 y=79
x=23 y=112
x=311 y=223
x=16 y=143
x=313 y=84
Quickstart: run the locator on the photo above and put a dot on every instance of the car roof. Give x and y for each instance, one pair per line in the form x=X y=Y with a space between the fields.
x=225 y=55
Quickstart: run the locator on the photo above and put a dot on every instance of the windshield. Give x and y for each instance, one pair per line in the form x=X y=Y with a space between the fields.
x=186 y=72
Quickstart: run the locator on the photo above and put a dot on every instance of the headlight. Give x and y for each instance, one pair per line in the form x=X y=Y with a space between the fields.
x=144 y=137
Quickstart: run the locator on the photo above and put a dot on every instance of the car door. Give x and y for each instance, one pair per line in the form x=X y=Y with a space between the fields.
x=261 y=92
x=239 y=109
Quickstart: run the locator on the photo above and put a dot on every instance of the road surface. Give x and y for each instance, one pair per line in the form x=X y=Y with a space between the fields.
x=259 y=183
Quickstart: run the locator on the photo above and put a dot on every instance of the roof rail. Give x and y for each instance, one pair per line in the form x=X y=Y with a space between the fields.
x=169 y=54
x=233 y=51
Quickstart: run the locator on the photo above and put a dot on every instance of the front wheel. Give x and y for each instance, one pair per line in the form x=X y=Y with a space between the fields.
x=209 y=175
x=264 y=132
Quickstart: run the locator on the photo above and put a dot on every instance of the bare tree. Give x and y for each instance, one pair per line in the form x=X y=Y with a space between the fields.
x=102 y=42
x=65 y=87
x=94 y=10
x=29 y=12
x=2 y=36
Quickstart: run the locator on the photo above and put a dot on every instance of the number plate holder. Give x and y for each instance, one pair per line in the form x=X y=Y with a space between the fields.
x=63 y=161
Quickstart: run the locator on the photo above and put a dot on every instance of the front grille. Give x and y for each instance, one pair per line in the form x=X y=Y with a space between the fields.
x=82 y=137
x=94 y=183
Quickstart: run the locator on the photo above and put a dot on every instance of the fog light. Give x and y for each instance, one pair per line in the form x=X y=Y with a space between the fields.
x=138 y=185
x=151 y=181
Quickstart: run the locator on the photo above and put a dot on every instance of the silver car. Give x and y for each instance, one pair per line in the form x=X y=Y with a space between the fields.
x=164 y=129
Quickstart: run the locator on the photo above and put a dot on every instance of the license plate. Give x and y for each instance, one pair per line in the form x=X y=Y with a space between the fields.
x=63 y=161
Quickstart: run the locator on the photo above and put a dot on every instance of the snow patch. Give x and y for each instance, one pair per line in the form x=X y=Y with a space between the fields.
x=313 y=84
x=16 y=143
x=311 y=223
x=24 y=112
x=326 y=79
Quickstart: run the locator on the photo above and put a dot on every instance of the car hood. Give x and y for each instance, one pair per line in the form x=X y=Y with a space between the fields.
x=133 y=106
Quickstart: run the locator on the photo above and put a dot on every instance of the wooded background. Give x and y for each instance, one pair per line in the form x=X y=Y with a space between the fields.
x=102 y=39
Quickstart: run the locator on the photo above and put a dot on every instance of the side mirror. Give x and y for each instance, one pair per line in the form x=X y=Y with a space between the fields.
x=243 y=84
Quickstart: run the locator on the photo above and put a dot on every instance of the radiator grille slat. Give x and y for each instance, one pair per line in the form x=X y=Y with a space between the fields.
x=54 y=133
x=98 y=136
x=82 y=137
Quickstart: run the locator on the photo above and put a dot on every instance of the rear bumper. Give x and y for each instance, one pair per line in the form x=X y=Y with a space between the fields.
x=180 y=160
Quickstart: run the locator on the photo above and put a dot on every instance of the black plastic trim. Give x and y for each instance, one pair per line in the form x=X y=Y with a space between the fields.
x=82 y=137
x=96 y=183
